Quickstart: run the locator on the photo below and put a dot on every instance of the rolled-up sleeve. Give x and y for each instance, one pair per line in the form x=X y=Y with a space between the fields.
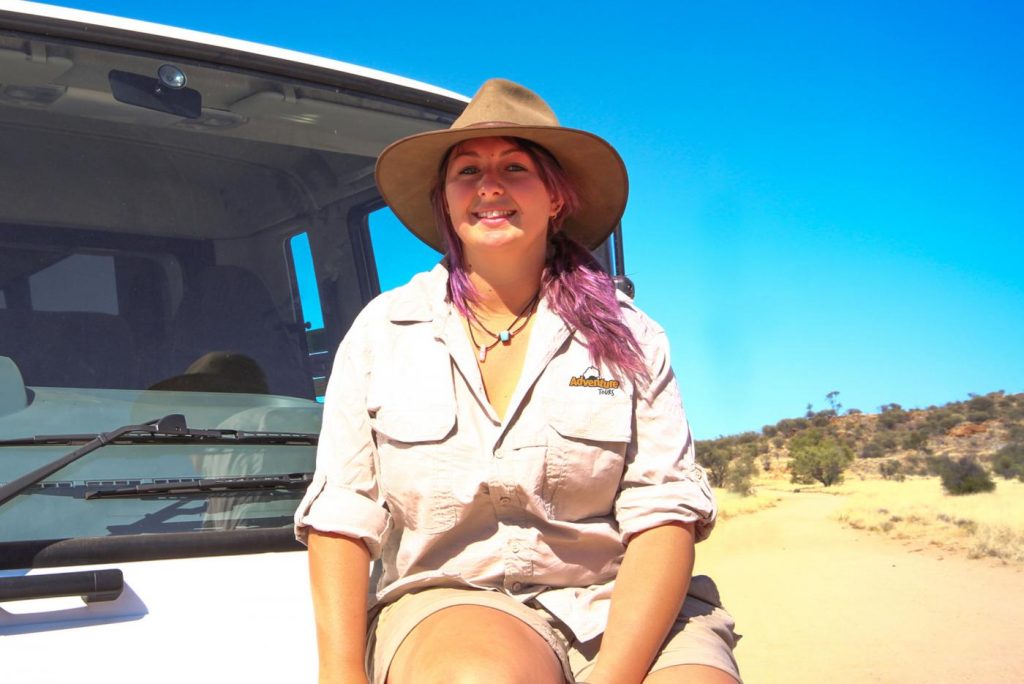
x=344 y=497
x=662 y=481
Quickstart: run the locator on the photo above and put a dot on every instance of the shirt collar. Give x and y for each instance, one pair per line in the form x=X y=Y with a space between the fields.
x=424 y=299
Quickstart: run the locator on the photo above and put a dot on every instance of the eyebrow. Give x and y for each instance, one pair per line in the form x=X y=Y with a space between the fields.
x=470 y=153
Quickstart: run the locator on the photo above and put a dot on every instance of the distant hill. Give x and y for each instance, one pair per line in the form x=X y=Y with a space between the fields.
x=982 y=426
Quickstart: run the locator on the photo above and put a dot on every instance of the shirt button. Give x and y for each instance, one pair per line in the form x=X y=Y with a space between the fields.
x=516 y=586
x=515 y=547
x=505 y=500
x=498 y=455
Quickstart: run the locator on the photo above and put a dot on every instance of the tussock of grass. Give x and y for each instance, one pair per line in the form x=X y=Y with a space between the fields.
x=999 y=541
x=987 y=524
x=731 y=504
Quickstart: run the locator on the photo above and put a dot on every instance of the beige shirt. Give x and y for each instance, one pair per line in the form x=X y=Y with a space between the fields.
x=414 y=461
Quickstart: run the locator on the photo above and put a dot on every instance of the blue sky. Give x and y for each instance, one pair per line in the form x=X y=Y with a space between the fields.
x=824 y=196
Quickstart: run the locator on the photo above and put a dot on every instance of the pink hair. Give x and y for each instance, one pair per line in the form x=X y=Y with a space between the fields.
x=574 y=284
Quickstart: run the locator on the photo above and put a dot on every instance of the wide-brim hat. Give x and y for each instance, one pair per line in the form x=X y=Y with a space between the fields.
x=408 y=168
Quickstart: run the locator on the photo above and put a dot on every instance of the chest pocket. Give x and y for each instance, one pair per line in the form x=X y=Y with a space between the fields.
x=413 y=424
x=586 y=448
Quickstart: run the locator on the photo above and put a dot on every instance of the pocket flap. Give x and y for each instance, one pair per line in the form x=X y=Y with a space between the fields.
x=588 y=415
x=415 y=424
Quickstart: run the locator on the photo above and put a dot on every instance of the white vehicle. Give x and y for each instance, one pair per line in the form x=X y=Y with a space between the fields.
x=184 y=240
x=183 y=243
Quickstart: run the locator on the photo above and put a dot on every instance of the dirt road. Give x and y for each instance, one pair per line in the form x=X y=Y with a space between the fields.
x=817 y=601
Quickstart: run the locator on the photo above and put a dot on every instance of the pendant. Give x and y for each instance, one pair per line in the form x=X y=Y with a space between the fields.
x=483 y=353
x=505 y=336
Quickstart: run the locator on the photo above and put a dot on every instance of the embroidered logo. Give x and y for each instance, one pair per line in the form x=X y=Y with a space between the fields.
x=592 y=378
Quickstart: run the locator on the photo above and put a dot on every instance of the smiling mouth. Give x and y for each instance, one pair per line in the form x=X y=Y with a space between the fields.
x=494 y=214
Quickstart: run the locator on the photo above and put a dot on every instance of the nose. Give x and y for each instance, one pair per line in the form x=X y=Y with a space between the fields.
x=488 y=184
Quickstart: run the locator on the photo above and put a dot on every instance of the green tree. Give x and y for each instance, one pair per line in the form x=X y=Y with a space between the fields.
x=740 y=478
x=892 y=415
x=916 y=440
x=892 y=470
x=964 y=476
x=818 y=457
x=1009 y=462
x=715 y=458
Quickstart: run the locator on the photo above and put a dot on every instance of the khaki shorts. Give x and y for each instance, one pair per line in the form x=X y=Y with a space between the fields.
x=702 y=634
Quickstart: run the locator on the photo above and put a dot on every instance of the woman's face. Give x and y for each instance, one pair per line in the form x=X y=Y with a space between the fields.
x=496 y=197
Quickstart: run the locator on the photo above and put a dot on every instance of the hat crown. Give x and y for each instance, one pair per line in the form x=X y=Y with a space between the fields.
x=503 y=102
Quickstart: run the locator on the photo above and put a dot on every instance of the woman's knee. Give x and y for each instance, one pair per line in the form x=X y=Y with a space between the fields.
x=474 y=645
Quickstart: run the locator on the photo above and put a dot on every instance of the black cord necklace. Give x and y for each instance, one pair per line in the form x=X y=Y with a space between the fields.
x=505 y=336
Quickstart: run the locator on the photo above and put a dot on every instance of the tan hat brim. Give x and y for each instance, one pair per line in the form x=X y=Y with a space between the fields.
x=407 y=170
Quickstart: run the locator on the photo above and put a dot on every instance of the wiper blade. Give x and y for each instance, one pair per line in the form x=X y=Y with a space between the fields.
x=169 y=429
x=168 y=432
x=206 y=486
x=47 y=439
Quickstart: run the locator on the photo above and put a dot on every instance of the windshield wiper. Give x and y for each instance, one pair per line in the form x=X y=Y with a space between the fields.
x=165 y=430
x=206 y=486
x=169 y=429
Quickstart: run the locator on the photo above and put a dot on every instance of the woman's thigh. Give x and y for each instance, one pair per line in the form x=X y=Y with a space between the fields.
x=473 y=643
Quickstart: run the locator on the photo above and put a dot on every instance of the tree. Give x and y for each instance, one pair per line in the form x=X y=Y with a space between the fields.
x=715 y=458
x=964 y=476
x=892 y=470
x=892 y=415
x=818 y=457
x=1009 y=462
x=832 y=399
x=740 y=478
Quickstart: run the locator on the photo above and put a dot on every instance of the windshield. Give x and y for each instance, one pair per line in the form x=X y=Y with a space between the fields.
x=175 y=238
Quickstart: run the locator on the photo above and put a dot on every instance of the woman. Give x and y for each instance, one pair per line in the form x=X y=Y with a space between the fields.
x=505 y=434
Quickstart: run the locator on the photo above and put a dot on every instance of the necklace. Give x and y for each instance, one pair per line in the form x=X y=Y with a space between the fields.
x=505 y=336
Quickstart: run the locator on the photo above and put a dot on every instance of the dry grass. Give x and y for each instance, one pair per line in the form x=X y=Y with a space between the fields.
x=731 y=505
x=990 y=524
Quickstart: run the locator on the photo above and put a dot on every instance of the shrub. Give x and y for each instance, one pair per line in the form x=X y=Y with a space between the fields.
x=882 y=444
x=822 y=418
x=951 y=420
x=916 y=440
x=818 y=457
x=872 y=450
x=891 y=416
x=935 y=465
x=740 y=478
x=915 y=465
x=1008 y=462
x=715 y=458
x=790 y=426
x=892 y=470
x=980 y=409
x=964 y=476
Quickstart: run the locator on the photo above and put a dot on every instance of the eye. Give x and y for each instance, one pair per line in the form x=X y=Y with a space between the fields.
x=467 y=170
x=516 y=166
